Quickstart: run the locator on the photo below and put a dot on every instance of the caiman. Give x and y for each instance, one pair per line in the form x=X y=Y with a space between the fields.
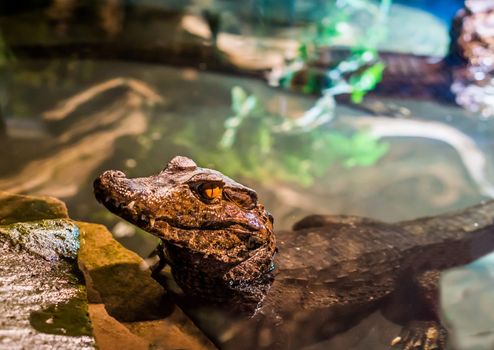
x=218 y=240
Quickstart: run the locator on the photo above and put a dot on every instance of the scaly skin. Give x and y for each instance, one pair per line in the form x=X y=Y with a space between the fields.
x=219 y=248
x=328 y=268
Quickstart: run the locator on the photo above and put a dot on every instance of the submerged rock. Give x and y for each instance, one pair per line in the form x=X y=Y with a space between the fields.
x=43 y=300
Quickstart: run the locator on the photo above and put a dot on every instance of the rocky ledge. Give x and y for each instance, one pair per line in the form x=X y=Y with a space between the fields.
x=43 y=301
x=47 y=303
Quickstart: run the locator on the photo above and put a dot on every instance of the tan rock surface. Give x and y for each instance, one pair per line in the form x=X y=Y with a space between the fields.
x=19 y=208
x=128 y=308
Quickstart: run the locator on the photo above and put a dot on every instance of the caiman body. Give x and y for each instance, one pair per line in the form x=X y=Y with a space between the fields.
x=362 y=258
x=330 y=270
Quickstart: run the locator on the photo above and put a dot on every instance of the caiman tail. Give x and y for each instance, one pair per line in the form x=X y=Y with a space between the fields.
x=452 y=239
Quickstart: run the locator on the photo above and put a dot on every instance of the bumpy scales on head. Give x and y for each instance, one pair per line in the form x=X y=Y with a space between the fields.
x=218 y=239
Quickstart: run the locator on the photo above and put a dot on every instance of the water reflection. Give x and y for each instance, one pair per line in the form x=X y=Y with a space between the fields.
x=84 y=144
x=116 y=129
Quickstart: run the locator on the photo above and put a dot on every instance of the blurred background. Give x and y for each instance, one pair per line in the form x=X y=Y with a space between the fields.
x=342 y=107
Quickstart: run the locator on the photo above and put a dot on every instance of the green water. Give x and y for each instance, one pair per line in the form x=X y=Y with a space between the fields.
x=426 y=175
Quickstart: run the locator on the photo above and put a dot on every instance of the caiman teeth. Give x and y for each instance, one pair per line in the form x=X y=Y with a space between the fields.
x=151 y=220
x=131 y=205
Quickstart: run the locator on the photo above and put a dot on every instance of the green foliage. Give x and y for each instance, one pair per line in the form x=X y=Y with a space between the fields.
x=365 y=81
x=361 y=70
x=249 y=145
x=359 y=149
x=243 y=106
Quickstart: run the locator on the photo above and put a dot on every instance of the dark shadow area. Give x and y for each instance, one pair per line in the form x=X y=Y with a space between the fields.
x=129 y=294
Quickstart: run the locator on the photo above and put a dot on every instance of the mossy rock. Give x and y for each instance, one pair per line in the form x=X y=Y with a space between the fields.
x=127 y=306
x=19 y=208
x=51 y=239
x=46 y=304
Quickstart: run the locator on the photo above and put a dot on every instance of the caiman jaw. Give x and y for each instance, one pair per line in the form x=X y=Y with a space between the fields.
x=119 y=195
x=111 y=191
x=115 y=191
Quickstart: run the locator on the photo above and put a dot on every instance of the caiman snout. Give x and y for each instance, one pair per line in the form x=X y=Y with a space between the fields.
x=112 y=174
x=107 y=179
x=106 y=186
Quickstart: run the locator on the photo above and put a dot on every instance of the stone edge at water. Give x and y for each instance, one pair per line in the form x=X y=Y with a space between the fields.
x=127 y=308
x=44 y=303
x=21 y=208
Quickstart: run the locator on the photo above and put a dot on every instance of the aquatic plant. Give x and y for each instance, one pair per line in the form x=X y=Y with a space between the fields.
x=357 y=72
x=254 y=143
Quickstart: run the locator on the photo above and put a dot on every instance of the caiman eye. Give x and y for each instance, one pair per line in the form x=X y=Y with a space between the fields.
x=210 y=191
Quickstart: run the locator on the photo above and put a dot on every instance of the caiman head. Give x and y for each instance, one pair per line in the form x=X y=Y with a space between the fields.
x=215 y=232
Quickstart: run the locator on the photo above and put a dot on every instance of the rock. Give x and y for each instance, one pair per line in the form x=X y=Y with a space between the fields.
x=44 y=304
x=50 y=239
x=38 y=225
x=18 y=208
x=119 y=278
x=47 y=303
x=112 y=334
x=473 y=43
x=127 y=306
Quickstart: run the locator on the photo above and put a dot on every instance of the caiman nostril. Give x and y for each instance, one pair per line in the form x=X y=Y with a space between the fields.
x=118 y=173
